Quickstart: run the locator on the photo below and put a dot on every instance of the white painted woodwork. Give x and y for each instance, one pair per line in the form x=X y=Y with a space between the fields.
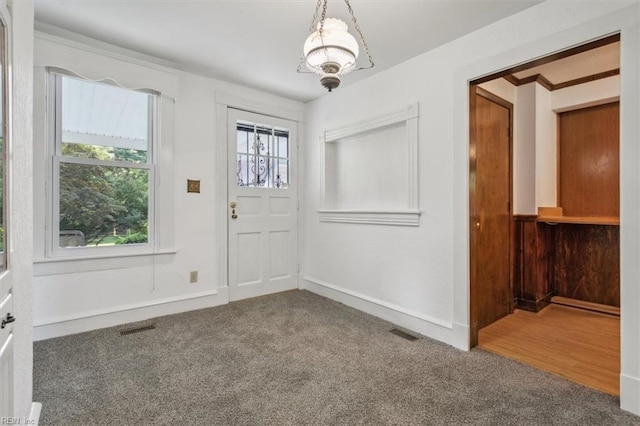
x=263 y=238
x=21 y=201
x=6 y=358
x=370 y=171
x=6 y=277
x=6 y=373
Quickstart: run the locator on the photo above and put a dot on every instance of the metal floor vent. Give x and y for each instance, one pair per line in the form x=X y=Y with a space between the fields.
x=403 y=334
x=137 y=329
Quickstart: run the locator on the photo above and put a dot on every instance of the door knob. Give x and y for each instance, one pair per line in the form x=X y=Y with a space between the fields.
x=477 y=225
x=233 y=204
x=10 y=318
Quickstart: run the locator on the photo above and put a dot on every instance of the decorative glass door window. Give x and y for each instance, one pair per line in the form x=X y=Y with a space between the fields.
x=262 y=156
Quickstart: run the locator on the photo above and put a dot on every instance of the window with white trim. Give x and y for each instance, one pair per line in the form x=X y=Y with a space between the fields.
x=102 y=167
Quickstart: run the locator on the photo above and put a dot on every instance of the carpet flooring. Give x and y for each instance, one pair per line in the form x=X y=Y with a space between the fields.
x=295 y=358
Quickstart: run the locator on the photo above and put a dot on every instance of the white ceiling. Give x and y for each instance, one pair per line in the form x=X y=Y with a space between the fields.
x=257 y=43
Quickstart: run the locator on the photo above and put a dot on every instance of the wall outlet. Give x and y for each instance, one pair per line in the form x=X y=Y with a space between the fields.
x=193 y=277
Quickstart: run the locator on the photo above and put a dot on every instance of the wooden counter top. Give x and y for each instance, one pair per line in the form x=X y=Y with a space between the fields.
x=553 y=215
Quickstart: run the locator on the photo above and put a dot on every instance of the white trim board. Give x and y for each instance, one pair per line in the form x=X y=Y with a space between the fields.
x=444 y=331
x=373 y=217
x=270 y=109
x=59 y=35
x=629 y=393
x=56 y=327
x=34 y=413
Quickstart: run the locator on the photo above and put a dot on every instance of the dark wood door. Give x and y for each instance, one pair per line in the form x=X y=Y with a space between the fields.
x=491 y=209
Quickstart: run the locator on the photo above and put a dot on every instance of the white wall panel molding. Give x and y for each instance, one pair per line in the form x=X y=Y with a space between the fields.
x=370 y=171
x=399 y=218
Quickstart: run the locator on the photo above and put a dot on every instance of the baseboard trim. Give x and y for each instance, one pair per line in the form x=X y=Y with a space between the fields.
x=460 y=337
x=630 y=394
x=426 y=325
x=55 y=327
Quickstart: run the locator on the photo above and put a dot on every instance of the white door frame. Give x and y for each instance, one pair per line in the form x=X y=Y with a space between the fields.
x=7 y=285
x=626 y=22
x=224 y=101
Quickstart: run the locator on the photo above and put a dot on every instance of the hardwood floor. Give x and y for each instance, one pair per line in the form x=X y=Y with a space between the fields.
x=579 y=345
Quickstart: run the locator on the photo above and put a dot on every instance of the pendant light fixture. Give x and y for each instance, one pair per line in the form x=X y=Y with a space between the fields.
x=330 y=50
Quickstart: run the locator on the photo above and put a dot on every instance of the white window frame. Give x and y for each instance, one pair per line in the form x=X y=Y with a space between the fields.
x=54 y=150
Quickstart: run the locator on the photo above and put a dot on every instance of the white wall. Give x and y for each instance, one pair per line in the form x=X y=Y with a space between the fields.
x=77 y=295
x=20 y=205
x=502 y=88
x=524 y=150
x=546 y=149
x=419 y=277
x=585 y=95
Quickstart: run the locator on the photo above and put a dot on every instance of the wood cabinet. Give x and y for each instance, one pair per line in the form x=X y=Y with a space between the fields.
x=587 y=265
x=578 y=261
x=534 y=247
x=573 y=250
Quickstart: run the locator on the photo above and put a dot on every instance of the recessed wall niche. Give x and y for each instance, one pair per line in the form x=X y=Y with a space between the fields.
x=370 y=171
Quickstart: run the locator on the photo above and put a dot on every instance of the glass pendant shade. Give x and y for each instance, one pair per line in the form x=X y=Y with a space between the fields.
x=334 y=51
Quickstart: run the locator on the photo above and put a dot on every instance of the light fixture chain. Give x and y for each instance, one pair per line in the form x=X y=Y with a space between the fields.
x=357 y=27
x=312 y=26
x=323 y=17
x=315 y=15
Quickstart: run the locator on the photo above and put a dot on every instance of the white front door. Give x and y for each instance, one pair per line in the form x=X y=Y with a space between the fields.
x=262 y=204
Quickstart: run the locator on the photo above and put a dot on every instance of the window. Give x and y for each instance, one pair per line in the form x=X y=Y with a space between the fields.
x=262 y=155
x=103 y=169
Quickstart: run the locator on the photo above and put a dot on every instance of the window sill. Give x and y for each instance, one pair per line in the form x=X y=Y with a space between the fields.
x=372 y=217
x=72 y=264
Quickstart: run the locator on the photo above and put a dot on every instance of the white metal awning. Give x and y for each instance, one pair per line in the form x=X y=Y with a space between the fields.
x=104 y=115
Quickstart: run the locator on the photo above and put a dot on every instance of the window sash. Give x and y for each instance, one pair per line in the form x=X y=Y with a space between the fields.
x=107 y=163
x=56 y=159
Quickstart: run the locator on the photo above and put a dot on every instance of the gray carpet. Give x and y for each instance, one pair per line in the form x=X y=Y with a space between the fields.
x=295 y=358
